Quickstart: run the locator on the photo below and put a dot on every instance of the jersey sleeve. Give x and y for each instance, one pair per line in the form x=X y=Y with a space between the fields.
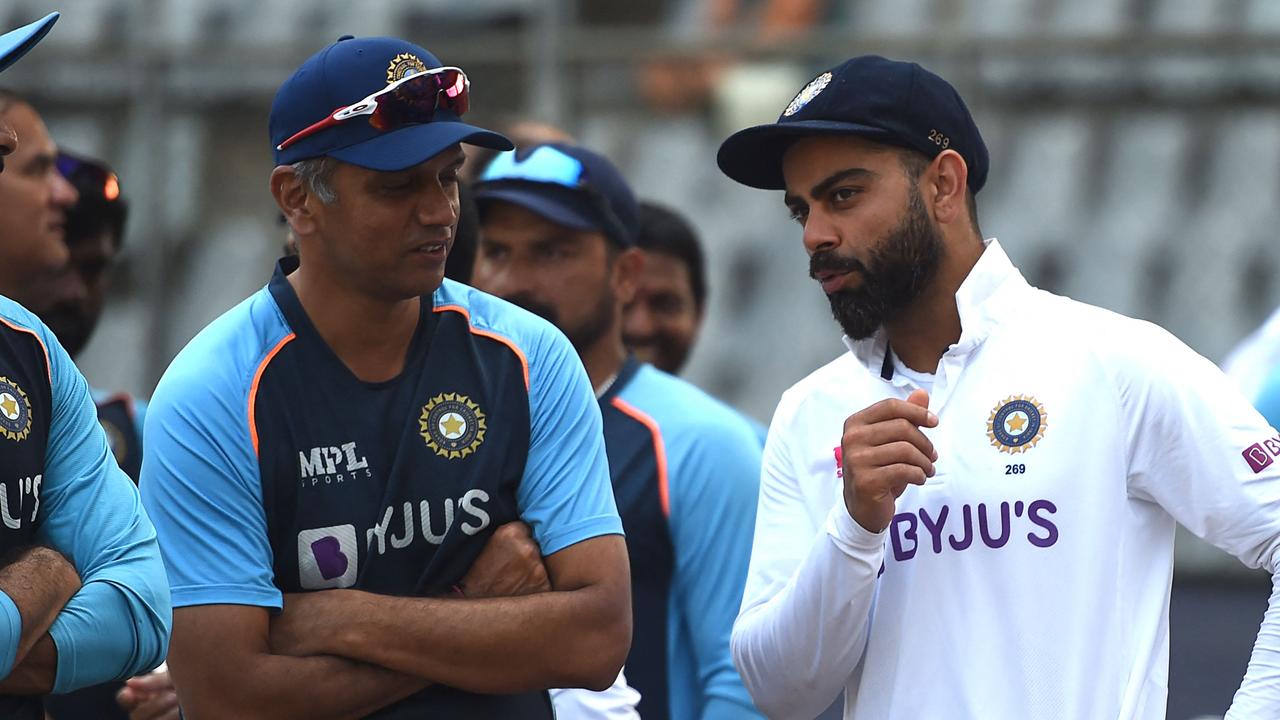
x=1268 y=400
x=565 y=495
x=118 y=623
x=714 y=483
x=1199 y=450
x=200 y=484
x=810 y=588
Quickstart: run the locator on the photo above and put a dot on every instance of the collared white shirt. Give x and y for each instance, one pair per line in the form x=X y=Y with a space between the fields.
x=1029 y=578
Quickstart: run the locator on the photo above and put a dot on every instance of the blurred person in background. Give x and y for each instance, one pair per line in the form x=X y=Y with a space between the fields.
x=82 y=592
x=1009 y=466
x=34 y=201
x=558 y=226
x=661 y=322
x=71 y=308
x=331 y=551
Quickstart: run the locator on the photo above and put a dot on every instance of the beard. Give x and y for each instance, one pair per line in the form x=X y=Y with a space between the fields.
x=897 y=272
x=583 y=333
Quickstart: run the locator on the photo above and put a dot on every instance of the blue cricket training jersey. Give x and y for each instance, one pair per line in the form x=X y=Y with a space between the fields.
x=271 y=468
x=686 y=472
x=60 y=487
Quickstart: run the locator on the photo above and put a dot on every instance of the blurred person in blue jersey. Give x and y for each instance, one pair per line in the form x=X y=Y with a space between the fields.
x=329 y=462
x=82 y=592
x=558 y=236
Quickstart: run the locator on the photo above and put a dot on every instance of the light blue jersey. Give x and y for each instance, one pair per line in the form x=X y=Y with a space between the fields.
x=686 y=471
x=60 y=486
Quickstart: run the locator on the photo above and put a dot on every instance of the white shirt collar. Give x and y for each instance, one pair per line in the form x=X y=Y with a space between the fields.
x=976 y=300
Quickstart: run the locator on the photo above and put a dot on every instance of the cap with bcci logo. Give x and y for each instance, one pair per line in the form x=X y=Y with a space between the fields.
x=393 y=131
x=15 y=43
x=887 y=101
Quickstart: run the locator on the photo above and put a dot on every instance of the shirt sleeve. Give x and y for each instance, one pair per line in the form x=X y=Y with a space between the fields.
x=200 y=484
x=809 y=593
x=714 y=484
x=1199 y=450
x=118 y=623
x=565 y=495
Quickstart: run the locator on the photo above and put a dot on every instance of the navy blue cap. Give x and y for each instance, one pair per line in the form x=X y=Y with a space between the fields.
x=566 y=184
x=15 y=43
x=345 y=73
x=886 y=101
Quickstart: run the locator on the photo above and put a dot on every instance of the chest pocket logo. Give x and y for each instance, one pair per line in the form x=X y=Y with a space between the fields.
x=452 y=425
x=1016 y=424
x=15 y=411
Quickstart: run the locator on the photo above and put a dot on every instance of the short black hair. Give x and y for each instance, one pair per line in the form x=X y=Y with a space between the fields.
x=663 y=230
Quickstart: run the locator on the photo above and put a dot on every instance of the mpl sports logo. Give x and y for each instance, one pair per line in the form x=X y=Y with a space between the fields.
x=1261 y=455
x=329 y=465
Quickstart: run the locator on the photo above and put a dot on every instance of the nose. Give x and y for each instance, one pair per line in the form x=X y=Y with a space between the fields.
x=819 y=232
x=8 y=141
x=637 y=321
x=438 y=208
x=64 y=194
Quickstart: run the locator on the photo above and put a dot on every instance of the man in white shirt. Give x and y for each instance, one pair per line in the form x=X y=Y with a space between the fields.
x=971 y=513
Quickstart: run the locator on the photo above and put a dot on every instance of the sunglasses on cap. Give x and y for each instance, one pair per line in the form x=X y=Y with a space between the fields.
x=411 y=100
x=548 y=165
x=89 y=177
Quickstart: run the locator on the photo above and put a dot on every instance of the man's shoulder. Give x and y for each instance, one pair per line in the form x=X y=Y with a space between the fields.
x=224 y=356
x=684 y=413
x=17 y=320
x=843 y=377
x=522 y=331
x=1067 y=326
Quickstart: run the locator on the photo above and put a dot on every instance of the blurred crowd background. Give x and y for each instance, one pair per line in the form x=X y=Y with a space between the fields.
x=1135 y=150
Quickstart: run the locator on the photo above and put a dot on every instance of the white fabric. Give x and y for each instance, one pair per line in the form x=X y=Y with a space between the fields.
x=1256 y=357
x=617 y=703
x=1032 y=585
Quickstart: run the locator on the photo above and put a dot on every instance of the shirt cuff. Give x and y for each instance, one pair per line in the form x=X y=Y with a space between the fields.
x=851 y=538
x=11 y=629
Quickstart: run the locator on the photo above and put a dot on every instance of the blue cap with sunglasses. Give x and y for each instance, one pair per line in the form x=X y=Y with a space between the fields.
x=886 y=101
x=15 y=43
x=566 y=184
x=380 y=103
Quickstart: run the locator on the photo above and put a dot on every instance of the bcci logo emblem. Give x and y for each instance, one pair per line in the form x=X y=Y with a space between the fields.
x=809 y=92
x=402 y=66
x=15 y=411
x=452 y=425
x=1016 y=424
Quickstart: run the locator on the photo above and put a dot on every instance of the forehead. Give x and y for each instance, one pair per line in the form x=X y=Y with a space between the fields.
x=33 y=136
x=666 y=271
x=813 y=158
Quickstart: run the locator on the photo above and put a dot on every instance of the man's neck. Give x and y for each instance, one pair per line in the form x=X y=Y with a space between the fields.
x=370 y=335
x=604 y=359
x=921 y=334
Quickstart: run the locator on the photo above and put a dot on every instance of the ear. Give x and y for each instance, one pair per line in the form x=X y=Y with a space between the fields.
x=291 y=197
x=946 y=187
x=626 y=274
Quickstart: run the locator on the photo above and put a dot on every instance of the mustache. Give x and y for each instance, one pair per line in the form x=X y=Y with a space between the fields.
x=830 y=261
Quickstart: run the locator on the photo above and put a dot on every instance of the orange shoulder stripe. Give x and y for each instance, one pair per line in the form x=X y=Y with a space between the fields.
x=524 y=361
x=253 y=389
x=48 y=366
x=659 y=450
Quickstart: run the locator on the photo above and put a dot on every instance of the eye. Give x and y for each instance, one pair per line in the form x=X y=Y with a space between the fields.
x=843 y=195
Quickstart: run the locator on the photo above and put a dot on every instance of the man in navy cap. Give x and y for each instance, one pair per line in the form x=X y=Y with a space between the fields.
x=971 y=513
x=559 y=226
x=82 y=591
x=328 y=463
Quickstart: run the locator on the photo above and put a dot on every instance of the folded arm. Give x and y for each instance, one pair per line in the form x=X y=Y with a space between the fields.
x=223 y=667
x=577 y=635
x=35 y=586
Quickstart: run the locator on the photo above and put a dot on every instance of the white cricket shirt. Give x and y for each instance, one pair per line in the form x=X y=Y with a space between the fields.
x=1030 y=577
